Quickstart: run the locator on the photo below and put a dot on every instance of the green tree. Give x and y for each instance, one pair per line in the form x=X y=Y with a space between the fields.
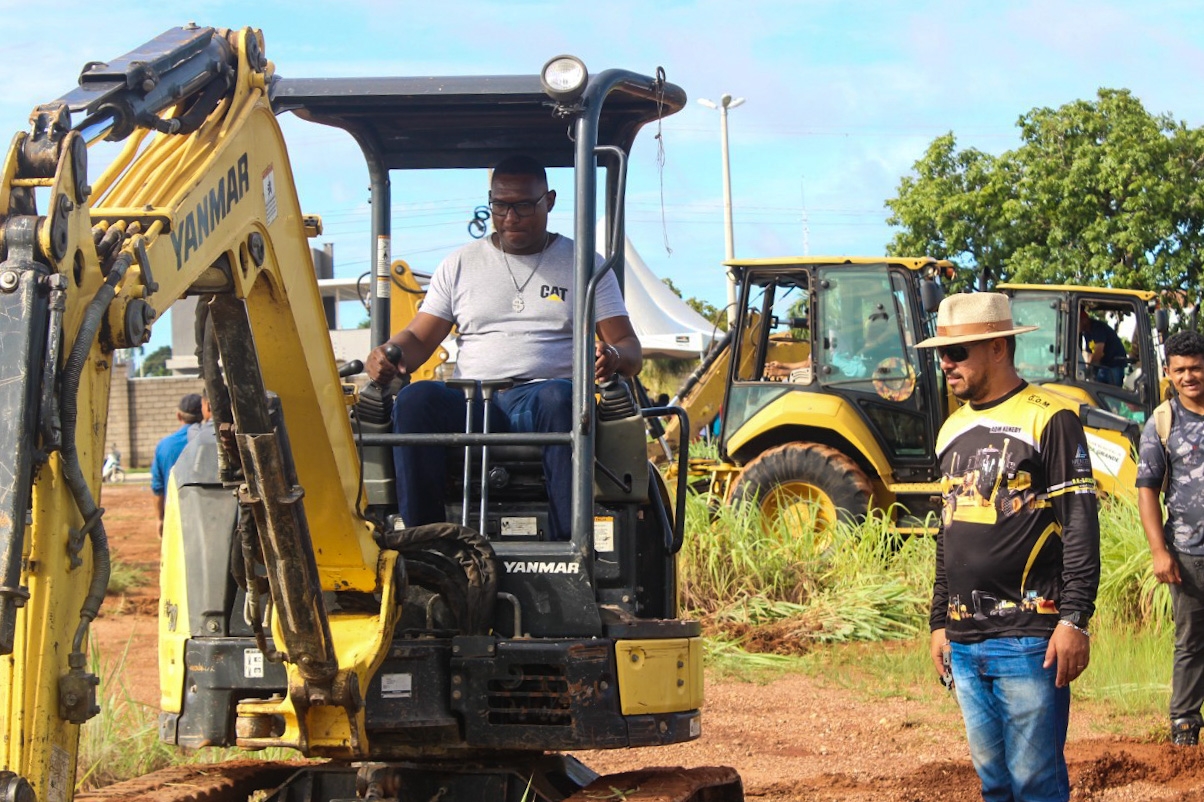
x=155 y=363
x=950 y=210
x=1099 y=192
x=712 y=313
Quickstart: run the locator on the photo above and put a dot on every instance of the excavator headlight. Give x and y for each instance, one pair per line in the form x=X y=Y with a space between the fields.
x=564 y=78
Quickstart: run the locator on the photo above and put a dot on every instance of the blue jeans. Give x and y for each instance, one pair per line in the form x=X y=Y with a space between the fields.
x=433 y=407
x=1015 y=719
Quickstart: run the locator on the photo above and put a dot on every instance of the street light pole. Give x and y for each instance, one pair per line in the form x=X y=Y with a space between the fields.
x=726 y=102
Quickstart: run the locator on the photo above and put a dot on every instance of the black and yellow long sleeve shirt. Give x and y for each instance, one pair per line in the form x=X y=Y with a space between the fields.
x=1019 y=540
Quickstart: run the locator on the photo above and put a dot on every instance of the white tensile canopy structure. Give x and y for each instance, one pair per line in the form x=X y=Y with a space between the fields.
x=666 y=326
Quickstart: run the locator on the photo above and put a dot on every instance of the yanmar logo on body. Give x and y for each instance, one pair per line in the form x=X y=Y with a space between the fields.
x=219 y=200
x=541 y=567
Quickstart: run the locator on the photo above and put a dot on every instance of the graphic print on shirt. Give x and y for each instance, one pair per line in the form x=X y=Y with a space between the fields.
x=986 y=606
x=986 y=485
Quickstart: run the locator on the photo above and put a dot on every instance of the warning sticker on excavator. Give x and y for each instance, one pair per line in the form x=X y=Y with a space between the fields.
x=384 y=281
x=604 y=533
x=252 y=663
x=269 y=195
x=396 y=686
x=520 y=527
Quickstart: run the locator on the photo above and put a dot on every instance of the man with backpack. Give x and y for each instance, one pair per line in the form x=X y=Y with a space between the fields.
x=1172 y=462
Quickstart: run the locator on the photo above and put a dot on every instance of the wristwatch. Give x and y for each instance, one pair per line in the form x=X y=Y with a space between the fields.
x=1079 y=620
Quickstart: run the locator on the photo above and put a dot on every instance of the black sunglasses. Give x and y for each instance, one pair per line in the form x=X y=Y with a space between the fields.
x=954 y=353
x=524 y=208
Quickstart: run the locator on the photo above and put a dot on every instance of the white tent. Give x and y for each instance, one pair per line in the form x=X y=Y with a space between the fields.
x=666 y=326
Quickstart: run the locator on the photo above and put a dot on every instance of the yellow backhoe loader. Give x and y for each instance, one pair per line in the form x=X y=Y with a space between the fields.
x=829 y=409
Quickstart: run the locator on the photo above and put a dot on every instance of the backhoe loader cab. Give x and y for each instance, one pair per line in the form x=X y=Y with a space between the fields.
x=448 y=661
x=830 y=407
x=1055 y=355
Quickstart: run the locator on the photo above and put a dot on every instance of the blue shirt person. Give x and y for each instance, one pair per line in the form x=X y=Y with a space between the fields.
x=190 y=413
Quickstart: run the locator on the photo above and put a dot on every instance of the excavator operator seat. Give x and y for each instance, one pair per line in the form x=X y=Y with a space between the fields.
x=515 y=483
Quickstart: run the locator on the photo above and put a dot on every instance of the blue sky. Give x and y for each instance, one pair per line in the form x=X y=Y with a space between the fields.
x=841 y=99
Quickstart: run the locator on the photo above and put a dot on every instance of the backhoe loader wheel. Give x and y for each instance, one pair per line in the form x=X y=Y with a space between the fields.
x=805 y=484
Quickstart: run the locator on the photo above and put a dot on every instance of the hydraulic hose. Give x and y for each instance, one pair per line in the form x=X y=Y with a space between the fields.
x=72 y=472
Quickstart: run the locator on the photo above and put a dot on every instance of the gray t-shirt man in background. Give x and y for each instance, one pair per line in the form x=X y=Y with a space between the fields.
x=510 y=297
x=1177 y=545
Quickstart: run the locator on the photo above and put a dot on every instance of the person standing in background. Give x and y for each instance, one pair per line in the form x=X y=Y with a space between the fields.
x=1172 y=463
x=1017 y=561
x=190 y=413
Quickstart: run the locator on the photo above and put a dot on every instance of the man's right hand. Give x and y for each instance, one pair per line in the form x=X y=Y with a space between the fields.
x=936 y=647
x=380 y=369
x=1166 y=568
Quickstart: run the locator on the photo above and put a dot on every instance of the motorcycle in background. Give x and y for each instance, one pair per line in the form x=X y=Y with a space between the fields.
x=112 y=471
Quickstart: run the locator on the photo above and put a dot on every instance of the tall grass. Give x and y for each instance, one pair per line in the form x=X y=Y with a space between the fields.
x=761 y=587
x=122 y=741
x=857 y=583
x=1129 y=593
x=124 y=577
x=741 y=573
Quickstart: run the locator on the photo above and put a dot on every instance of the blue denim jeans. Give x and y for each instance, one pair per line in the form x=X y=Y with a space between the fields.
x=433 y=407
x=1015 y=719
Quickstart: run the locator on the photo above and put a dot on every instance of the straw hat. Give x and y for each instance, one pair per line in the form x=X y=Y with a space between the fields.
x=974 y=316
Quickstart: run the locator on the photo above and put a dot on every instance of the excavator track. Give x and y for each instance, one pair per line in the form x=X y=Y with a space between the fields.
x=237 y=781
x=233 y=781
x=701 y=784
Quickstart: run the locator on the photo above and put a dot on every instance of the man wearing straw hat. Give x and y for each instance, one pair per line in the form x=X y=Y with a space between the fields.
x=1017 y=562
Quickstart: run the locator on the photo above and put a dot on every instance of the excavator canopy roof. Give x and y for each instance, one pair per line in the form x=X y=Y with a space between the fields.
x=467 y=121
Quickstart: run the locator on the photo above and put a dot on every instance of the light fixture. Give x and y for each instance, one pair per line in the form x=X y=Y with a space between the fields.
x=564 y=78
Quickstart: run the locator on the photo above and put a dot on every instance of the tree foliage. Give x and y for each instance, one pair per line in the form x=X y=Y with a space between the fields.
x=708 y=310
x=1099 y=192
x=155 y=363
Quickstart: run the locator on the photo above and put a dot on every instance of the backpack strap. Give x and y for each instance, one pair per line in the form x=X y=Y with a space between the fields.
x=1163 y=418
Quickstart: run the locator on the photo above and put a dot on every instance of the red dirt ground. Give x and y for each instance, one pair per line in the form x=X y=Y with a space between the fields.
x=794 y=738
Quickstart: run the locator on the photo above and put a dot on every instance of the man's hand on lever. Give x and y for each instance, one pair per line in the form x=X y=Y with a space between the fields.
x=606 y=361
x=385 y=363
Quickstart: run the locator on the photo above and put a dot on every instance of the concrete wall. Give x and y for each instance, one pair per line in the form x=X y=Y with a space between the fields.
x=142 y=411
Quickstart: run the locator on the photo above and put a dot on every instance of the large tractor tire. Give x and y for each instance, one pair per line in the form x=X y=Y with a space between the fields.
x=805 y=484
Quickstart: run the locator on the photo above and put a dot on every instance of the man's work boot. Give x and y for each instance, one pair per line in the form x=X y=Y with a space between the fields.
x=1185 y=732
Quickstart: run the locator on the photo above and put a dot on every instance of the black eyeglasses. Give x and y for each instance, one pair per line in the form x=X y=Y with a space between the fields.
x=525 y=208
x=954 y=353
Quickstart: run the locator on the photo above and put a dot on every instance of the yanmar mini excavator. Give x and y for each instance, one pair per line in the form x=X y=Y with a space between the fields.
x=449 y=662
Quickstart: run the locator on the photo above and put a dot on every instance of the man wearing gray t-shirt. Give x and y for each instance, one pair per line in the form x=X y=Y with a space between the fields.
x=508 y=296
x=1177 y=547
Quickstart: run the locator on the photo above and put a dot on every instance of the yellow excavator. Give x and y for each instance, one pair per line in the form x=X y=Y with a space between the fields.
x=447 y=662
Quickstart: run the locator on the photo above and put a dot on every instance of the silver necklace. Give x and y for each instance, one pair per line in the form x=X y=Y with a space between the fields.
x=518 y=304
